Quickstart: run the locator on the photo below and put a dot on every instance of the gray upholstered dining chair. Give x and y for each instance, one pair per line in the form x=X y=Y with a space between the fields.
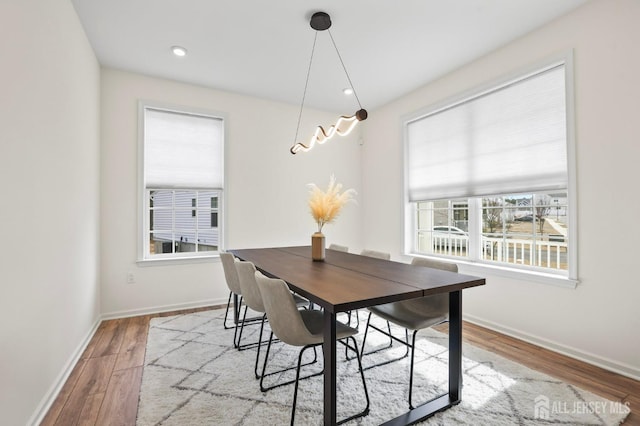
x=301 y=328
x=338 y=247
x=413 y=314
x=253 y=299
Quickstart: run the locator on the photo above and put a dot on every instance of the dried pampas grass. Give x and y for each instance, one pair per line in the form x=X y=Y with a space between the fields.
x=326 y=205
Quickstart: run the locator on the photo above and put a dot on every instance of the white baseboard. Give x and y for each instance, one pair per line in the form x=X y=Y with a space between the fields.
x=56 y=387
x=608 y=364
x=164 y=308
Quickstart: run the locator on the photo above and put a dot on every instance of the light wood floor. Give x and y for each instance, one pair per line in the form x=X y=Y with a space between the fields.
x=104 y=386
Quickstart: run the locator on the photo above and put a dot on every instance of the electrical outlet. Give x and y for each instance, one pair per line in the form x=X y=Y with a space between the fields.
x=130 y=278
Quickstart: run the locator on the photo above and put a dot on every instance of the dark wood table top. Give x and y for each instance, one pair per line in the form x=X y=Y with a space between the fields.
x=345 y=281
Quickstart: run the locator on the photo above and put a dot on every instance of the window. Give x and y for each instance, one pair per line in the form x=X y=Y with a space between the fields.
x=487 y=177
x=182 y=183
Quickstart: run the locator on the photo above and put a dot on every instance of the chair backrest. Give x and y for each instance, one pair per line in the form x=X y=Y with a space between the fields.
x=284 y=318
x=437 y=264
x=250 y=293
x=437 y=303
x=376 y=254
x=230 y=272
x=338 y=247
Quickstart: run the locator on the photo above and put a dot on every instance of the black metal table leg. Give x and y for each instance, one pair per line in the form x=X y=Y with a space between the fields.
x=452 y=398
x=329 y=349
x=455 y=346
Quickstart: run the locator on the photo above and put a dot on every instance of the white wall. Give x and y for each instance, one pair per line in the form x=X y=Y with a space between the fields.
x=599 y=320
x=265 y=192
x=49 y=177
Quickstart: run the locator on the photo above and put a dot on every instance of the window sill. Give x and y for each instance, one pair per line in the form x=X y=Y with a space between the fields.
x=163 y=261
x=480 y=269
x=518 y=274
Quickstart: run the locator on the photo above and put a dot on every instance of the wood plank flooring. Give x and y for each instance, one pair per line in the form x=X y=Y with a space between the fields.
x=103 y=387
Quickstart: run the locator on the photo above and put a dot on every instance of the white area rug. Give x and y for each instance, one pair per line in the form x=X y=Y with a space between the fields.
x=194 y=376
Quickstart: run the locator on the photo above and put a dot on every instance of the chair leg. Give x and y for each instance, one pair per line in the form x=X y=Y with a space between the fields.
x=238 y=309
x=388 y=333
x=237 y=337
x=346 y=353
x=264 y=365
x=364 y=383
x=255 y=368
x=237 y=343
x=355 y=313
x=413 y=351
x=264 y=368
x=226 y=313
x=406 y=337
x=298 y=378
x=410 y=346
x=295 y=388
x=364 y=340
x=411 y=368
x=366 y=330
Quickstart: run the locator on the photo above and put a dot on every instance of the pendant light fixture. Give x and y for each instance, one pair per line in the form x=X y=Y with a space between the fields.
x=321 y=21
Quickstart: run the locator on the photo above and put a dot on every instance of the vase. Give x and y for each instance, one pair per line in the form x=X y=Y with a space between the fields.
x=317 y=247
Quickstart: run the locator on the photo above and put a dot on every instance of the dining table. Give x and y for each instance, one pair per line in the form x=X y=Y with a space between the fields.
x=344 y=282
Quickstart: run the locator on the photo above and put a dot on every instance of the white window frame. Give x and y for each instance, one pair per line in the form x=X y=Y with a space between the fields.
x=144 y=255
x=473 y=263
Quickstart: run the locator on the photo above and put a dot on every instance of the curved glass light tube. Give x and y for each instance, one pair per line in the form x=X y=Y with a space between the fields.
x=343 y=127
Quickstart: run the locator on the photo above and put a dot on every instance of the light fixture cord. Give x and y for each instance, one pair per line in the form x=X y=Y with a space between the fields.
x=304 y=94
x=344 y=68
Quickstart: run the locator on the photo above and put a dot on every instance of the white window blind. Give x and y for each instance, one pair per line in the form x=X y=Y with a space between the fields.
x=182 y=150
x=508 y=140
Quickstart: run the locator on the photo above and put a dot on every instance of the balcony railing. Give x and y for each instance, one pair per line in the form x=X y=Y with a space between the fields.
x=550 y=253
x=542 y=253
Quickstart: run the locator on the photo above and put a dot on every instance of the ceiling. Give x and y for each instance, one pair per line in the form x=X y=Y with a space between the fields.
x=262 y=48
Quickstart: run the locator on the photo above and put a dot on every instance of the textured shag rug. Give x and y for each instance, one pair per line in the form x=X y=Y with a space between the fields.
x=194 y=376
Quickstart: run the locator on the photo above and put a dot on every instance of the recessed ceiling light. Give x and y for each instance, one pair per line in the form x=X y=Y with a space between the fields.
x=347 y=91
x=179 y=51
